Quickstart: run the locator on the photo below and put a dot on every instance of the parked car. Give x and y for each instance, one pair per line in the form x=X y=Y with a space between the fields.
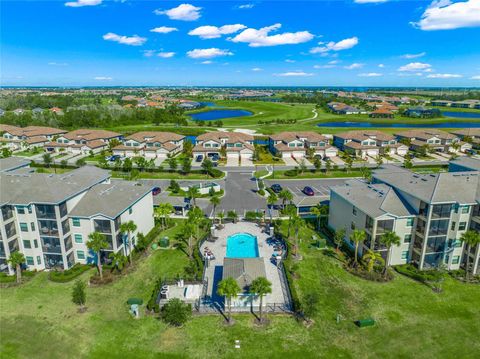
x=471 y=152
x=199 y=158
x=156 y=191
x=215 y=157
x=276 y=188
x=308 y=191
x=113 y=158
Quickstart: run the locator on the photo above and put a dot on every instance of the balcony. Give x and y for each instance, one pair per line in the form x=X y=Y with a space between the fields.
x=436 y=244
x=48 y=228
x=102 y=226
x=51 y=245
x=10 y=230
x=7 y=212
x=45 y=211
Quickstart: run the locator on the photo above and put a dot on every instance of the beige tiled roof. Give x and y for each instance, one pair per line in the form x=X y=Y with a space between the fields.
x=90 y=135
x=361 y=135
x=231 y=136
x=155 y=136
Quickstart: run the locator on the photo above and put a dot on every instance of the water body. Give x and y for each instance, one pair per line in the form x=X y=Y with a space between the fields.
x=400 y=125
x=461 y=114
x=219 y=114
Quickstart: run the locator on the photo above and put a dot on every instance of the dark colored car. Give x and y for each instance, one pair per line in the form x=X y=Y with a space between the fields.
x=276 y=188
x=308 y=191
x=215 y=157
x=156 y=190
x=113 y=158
x=199 y=158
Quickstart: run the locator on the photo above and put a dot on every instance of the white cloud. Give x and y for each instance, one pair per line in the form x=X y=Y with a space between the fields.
x=370 y=74
x=381 y=66
x=290 y=61
x=260 y=37
x=134 y=40
x=476 y=77
x=443 y=76
x=57 y=64
x=103 y=78
x=80 y=3
x=294 y=73
x=416 y=66
x=257 y=69
x=246 y=6
x=335 y=46
x=212 y=32
x=163 y=29
x=207 y=62
x=369 y=1
x=208 y=53
x=184 y=12
x=354 y=66
x=445 y=15
x=414 y=56
x=166 y=55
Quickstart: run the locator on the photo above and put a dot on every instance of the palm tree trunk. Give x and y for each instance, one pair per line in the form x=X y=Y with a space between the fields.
x=467 y=263
x=99 y=265
x=356 y=252
x=18 y=269
x=129 y=248
x=230 y=309
x=261 y=305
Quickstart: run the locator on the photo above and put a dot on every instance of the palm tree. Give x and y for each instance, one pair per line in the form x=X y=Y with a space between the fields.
x=261 y=286
x=471 y=239
x=338 y=237
x=371 y=258
x=232 y=215
x=188 y=233
x=119 y=260
x=47 y=159
x=215 y=201
x=285 y=195
x=16 y=260
x=271 y=200
x=228 y=288
x=221 y=216
x=162 y=212
x=357 y=237
x=195 y=215
x=192 y=194
x=320 y=211
x=291 y=211
x=129 y=227
x=96 y=243
x=389 y=239
x=296 y=222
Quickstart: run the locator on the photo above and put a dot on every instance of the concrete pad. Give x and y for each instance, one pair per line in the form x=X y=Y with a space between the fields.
x=307 y=162
x=232 y=161
x=246 y=162
x=289 y=161
x=337 y=160
x=398 y=157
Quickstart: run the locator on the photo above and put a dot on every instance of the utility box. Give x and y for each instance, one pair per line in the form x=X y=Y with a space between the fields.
x=365 y=323
x=164 y=242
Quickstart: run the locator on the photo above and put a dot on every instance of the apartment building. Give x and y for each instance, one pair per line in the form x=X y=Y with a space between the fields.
x=295 y=144
x=430 y=212
x=437 y=140
x=151 y=145
x=363 y=143
x=82 y=141
x=30 y=136
x=36 y=215
x=236 y=145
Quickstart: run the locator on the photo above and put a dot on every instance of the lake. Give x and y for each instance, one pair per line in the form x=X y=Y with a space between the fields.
x=219 y=114
x=400 y=125
x=461 y=114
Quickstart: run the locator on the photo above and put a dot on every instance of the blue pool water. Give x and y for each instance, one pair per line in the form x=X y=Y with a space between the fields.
x=242 y=245
x=219 y=114
x=400 y=125
x=461 y=114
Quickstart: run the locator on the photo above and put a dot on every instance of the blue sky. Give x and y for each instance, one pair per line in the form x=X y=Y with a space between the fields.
x=311 y=43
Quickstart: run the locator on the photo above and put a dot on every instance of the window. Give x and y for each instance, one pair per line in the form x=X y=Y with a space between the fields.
x=78 y=238
x=354 y=211
x=80 y=254
x=407 y=238
x=352 y=226
x=21 y=210
x=27 y=244
x=455 y=259
x=23 y=227
x=76 y=222
x=441 y=211
x=465 y=209
x=130 y=210
x=39 y=260
x=29 y=261
x=462 y=226
x=35 y=243
x=438 y=227
x=32 y=226
x=410 y=222
x=452 y=227
x=404 y=254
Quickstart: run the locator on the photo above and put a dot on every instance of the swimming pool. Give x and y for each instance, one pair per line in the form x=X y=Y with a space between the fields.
x=242 y=245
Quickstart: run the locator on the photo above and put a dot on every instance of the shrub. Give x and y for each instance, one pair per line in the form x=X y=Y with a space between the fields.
x=422 y=276
x=291 y=173
x=216 y=173
x=79 y=296
x=261 y=192
x=176 y=313
x=69 y=274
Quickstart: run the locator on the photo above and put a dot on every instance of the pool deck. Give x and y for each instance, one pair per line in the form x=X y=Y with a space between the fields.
x=214 y=270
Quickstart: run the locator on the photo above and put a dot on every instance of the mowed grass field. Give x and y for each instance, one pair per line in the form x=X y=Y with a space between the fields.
x=38 y=319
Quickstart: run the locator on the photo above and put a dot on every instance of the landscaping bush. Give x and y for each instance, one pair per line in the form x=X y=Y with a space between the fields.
x=69 y=274
x=252 y=215
x=261 y=192
x=176 y=313
x=152 y=302
x=422 y=276
x=291 y=173
x=215 y=173
x=5 y=278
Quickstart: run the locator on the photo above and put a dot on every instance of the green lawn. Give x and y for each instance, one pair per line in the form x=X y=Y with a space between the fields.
x=167 y=175
x=39 y=320
x=28 y=153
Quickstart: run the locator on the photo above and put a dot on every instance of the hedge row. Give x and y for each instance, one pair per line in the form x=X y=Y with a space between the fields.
x=6 y=278
x=69 y=274
x=422 y=276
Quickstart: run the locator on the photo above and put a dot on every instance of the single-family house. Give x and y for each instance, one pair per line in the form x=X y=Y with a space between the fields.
x=381 y=112
x=150 y=144
x=341 y=108
x=236 y=145
x=363 y=143
x=436 y=140
x=295 y=144
x=422 y=112
x=82 y=141
x=471 y=135
x=30 y=136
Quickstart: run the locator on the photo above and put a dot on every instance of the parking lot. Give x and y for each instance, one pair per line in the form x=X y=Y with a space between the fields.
x=321 y=187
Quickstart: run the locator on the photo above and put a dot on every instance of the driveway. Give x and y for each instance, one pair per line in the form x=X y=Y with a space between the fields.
x=397 y=157
x=232 y=162
x=246 y=162
x=289 y=161
x=337 y=160
x=159 y=161
x=307 y=162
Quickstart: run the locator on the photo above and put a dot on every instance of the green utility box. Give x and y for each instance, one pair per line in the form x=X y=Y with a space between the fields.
x=137 y=301
x=164 y=242
x=365 y=322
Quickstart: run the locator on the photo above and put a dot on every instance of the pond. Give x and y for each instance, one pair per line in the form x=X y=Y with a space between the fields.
x=461 y=114
x=400 y=125
x=219 y=114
